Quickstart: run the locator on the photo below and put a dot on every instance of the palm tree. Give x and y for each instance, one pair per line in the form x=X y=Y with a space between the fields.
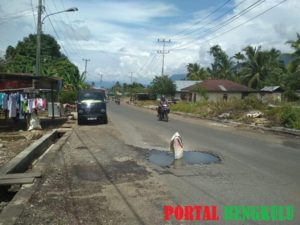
x=254 y=67
x=294 y=65
x=262 y=67
x=223 y=64
x=196 y=72
x=239 y=57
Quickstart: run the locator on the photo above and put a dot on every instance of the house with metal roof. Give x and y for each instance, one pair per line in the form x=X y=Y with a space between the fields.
x=180 y=85
x=215 y=90
x=271 y=94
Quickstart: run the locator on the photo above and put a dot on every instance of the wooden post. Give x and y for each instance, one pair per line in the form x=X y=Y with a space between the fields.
x=52 y=100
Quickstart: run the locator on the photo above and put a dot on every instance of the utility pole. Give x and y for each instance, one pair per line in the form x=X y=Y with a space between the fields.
x=101 y=75
x=131 y=98
x=131 y=73
x=85 y=66
x=163 y=52
x=38 y=39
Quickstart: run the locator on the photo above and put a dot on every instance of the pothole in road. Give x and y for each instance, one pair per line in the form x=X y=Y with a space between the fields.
x=165 y=158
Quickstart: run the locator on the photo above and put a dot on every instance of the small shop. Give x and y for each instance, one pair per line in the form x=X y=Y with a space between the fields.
x=23 y=96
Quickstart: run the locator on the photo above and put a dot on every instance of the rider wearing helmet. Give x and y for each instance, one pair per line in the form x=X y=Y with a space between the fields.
x=163 y=100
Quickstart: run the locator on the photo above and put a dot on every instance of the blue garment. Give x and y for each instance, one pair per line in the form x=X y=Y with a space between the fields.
x=1 y=99
x=4 y=101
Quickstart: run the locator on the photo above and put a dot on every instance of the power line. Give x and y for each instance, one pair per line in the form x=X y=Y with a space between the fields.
x=234 y=28
x=67 y=36
x=57 y=36
x=226 y=22
x=8 y=19
x=26 y=12
x=153 y=63
x=252 y=18
x=147 y=62
x=203 y=19
x=79 y=46
x=33 y=14
x=64 y=37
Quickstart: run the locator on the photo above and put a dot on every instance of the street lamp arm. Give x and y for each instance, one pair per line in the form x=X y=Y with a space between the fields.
x=39 y=32
x=67 y=10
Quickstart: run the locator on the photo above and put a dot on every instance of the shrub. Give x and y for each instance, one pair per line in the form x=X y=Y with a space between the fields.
x=68 y=97
x=287 y=116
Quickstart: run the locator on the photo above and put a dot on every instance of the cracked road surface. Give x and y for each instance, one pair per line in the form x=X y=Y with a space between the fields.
x=102 y=175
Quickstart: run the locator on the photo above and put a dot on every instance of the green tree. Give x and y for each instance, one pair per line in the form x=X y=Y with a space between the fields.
x=239 y=58
x=22 y=59
x=2 y=65
x=117 y=87
x=294 y=65
x=163 y=85
x=196 y=72
x=261 y=67
x=222 y=66
x=292 y=80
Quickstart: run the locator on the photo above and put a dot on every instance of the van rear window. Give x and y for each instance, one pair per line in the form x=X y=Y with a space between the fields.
x=91 y=96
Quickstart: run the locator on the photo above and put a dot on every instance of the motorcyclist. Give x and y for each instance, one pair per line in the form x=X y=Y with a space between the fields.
x=162 y=101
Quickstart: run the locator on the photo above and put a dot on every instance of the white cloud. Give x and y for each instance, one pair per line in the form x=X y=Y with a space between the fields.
x=119 y=37
x=132 y=12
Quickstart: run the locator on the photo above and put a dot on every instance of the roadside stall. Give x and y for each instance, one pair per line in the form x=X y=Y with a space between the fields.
x=22 y=96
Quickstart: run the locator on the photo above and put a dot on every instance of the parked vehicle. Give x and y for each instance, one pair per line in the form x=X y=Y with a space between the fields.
x=163 y=112
x=91 y=106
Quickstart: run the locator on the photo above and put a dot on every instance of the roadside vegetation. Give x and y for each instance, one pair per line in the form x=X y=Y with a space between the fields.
x=286 y=115
x=22 y=59
x=254 y=67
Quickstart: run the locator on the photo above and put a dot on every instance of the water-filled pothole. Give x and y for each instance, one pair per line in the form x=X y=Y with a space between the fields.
x=164 y=158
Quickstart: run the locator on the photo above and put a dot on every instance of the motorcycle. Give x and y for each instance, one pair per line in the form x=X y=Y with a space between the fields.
x=163 y=112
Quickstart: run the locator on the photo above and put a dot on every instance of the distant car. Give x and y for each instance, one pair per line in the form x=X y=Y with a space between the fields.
x=175 y=100
x=91 y=106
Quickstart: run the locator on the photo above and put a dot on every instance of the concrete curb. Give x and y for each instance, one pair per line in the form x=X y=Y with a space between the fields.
x=15 y=208
x=20 y=162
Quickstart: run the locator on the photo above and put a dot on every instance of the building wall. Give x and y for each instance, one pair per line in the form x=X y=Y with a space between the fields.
x=271 y=97
x=216 y=96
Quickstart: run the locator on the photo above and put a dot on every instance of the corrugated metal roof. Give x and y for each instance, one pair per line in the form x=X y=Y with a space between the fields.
x=271 y=88
x=220 y=86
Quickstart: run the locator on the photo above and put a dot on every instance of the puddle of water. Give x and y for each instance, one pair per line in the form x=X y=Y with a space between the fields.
x=164 y=159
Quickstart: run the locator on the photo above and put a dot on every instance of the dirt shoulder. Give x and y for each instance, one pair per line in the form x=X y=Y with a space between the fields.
x=97 y=179
x=14 y=138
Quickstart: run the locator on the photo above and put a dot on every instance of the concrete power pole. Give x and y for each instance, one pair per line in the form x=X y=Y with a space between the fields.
x=38 y=39
x=85 y=65
x=163 y=52
x=131 y=73
x=101 y=76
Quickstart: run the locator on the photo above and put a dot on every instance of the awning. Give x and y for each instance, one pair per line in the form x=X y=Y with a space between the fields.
x=28 y=82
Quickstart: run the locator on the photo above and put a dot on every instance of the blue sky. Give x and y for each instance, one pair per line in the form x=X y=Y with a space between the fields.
x=120 y=37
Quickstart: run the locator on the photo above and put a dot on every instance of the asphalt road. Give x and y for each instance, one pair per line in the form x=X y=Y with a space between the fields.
x=257 y=168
